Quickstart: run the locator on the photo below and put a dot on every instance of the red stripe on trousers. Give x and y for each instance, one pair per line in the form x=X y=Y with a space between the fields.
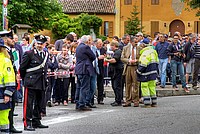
x=25 y=105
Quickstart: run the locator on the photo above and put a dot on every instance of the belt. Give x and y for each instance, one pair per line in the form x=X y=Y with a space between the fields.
x=131 y=65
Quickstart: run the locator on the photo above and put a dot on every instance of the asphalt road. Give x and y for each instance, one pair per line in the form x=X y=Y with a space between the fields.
x=174 y=115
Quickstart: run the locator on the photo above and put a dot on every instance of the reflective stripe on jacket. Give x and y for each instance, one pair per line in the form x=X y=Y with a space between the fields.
x=7 y=81
x=148 y=65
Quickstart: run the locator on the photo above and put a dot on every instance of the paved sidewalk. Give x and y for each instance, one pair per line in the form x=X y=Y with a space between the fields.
x=161 y=92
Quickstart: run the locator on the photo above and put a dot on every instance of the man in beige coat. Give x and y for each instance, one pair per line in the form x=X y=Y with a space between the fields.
x=130 y=56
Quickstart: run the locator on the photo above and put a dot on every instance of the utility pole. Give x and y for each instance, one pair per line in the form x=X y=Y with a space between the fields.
x=5 y=20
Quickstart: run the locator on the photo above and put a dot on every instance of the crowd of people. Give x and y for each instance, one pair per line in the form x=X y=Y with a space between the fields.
x=45 y=72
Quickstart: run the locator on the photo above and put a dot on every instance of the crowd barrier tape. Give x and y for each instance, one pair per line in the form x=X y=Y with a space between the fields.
x=59 y=73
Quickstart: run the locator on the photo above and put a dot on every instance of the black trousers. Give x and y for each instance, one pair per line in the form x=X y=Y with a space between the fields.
x=140 y=91
x=32 y=107
x=73 y=87
x=123 y=84
x=11 y=112
x=100 y=87
x=43 y=101
x=196 y=71
x=62 y=87
x=117 y=85
x=50 y=86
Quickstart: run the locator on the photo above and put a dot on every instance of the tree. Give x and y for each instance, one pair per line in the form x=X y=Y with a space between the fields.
x=133 y=24
x=61 y=25
x=194 y=4
x=89 y=21
x=35 y=13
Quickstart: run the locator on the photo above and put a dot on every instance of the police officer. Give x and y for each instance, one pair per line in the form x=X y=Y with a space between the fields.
x=33 y=70
x=7 y=36
x=7 y=87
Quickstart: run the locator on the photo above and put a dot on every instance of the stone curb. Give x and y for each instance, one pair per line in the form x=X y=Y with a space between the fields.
x=160 y=92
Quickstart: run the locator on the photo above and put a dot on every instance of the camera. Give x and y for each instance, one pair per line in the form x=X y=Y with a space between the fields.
x=180 y=52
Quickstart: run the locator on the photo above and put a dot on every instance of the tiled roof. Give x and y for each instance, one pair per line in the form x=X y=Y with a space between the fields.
x=88 y=6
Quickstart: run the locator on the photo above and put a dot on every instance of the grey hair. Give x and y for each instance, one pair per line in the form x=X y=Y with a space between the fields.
x=125 y=36
x=132 y=39
x=84 y=38
x=192 y=36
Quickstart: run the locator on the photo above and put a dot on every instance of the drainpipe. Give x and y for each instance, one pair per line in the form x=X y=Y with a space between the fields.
x=141 y=6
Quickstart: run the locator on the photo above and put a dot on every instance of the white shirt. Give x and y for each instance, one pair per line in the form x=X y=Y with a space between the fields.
x=134 y=52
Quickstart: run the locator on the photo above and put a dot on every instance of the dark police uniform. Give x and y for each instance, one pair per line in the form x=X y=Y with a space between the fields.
x=33 y=70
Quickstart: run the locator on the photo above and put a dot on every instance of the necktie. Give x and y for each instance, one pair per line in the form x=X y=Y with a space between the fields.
x=41 y=55
x=133 y=54
x=97 y=55
x=96 y=63
x=176 y=47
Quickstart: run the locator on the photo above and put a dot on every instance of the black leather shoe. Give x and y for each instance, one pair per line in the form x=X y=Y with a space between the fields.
x=84 y=109
x=41 y=126
x=50 y=104
x=29 y=128
x=91 y=106
x=127 y=105
x=13 y=130
x=100 y=102
x=72 y=101
x=116 y=104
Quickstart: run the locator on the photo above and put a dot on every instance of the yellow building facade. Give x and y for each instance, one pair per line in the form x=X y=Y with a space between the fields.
x=165 y=16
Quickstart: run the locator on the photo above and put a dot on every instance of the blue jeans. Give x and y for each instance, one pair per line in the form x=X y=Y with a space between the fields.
x=83 y=86
x=91 y=92
x=174 y=66
x=162 y=70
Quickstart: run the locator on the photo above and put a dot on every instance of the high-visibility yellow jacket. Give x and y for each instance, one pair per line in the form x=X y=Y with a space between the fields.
x=7 y=81
x=148 y=65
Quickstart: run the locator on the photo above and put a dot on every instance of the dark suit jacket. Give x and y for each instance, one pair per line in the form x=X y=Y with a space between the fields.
x=84 y=59
x=18 y=47
x=100 y=62
x=36 y=79
x=121 y=45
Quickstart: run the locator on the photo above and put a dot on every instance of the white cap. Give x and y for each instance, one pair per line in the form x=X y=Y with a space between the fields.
x=139 y=34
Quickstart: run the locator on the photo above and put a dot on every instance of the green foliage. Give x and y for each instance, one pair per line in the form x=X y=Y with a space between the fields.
x=102 y=37
x=61 y=25
x=134 y=24
x=194 y=4
x=89 y=21
x=35 y=13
